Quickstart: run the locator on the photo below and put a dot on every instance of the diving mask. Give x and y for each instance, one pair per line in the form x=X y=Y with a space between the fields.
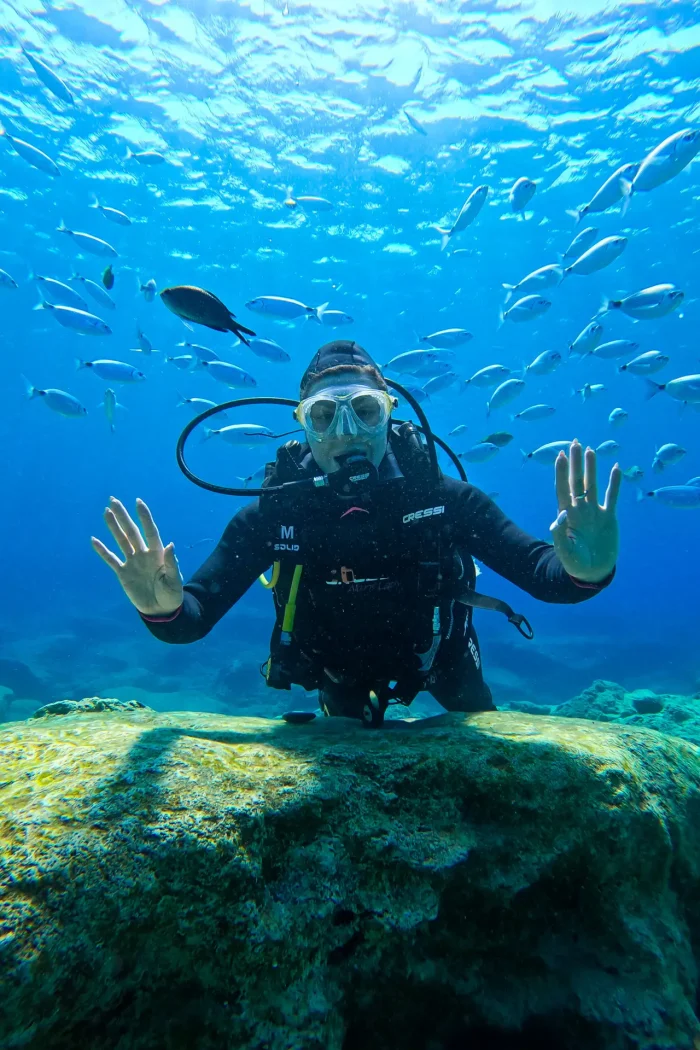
x=345 y=411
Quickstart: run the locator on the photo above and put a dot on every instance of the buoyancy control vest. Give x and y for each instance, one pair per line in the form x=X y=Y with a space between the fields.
x=357 y=594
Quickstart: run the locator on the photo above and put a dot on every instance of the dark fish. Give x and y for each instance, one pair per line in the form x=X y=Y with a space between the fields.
x=202 y=307
x=501 y=438
x=108 y=277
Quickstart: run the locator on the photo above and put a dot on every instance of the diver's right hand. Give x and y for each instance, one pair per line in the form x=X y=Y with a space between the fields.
x=149 y=573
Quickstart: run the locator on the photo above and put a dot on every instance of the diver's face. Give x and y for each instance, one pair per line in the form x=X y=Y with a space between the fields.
x=326 y=449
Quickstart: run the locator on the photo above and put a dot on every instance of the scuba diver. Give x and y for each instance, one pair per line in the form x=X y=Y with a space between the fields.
x=372 y=558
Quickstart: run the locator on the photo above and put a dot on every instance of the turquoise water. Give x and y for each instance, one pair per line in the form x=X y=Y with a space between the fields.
x=250 y=104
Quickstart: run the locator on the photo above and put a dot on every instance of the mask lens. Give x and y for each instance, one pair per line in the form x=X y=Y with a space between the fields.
x=368 y=409
x=321 y=415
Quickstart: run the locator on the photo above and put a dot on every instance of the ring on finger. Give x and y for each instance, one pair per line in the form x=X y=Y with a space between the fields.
x=582 y=495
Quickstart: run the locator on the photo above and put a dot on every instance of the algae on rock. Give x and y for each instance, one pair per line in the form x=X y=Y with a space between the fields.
x=180 y=880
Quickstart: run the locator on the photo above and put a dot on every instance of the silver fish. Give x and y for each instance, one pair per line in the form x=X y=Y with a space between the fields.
x=609 y=193
x=521 y=194
x=88 y=243
x=607 y=448
x=6 y=281
x=246 y=435
x=469 y=211
x=504 y=394
x=656 y=301
x=525 y=309
x=587 y=340
x=112 y=371
x=667 y=455
x=118 y=217
x=149 y=290
x=447 y=338
x=617 y=417
x=48 y=78
x=615 y=348
x=685 y=388
x=230 y=375
x=597 y=257
x=534 y=412
x=546 y=454
x=545 y=363
x=110 y=405
x=32 y=155
x=269 y=349
x=480 y=453
x=581 y=243
x=680 y=497
x=60 y=293
x=664 y=162
x=278 y=306
x=96 y=291
x=589 y=390
x=546 y=277
x=57 y=400
x=646 y=364
x=148 y=157
x=79 y=320
x=488 y=376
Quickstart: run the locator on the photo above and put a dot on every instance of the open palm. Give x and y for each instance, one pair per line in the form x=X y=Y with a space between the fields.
x=149 y=573
x=585 y=534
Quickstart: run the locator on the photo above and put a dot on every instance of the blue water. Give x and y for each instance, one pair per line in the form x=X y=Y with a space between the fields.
x=246 y=100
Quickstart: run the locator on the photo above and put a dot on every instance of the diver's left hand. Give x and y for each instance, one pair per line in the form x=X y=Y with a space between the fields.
x=585 y=535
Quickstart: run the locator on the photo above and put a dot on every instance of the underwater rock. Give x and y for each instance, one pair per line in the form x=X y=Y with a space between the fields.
x=20 y=678
x=610 y=702
x=498 y=879
x=88 y=705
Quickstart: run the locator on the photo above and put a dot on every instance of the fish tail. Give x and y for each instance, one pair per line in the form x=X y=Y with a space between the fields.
x=559 y=271
x=444 y=238
x=43 y=304
x=129 y=154
x=208 y=432
x=501 y=319
x=95 y=202
x=627 y=191
x=653 y=388
x=525 y=457
x=30 y=390
x=488 y=408
x=62 y=228
x=239 y=329
x=640 y=494
x=79 y=363
x=575 y=214
x=510 y=288
x=317 y=312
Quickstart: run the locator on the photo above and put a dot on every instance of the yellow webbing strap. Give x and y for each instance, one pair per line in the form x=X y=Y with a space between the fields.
x=291 y=606
x=272 y=582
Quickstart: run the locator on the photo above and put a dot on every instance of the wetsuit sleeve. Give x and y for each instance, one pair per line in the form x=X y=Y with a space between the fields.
x=238 y=559
x=529 y=563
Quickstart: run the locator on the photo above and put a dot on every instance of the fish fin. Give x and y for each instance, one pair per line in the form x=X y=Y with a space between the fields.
x=317 y=312
x=640 y=494
x=627 y=191
x=207 y=434
x=525 y=457
x=187 y=325
x=575 y=214
x=653 y=388
x=559 y=270
x=79 y=363
x=95 y=202
x=129 y=154
x=30 y=390
x=488 y=408
x=444 y=238
x=605 y=306
x=43 y=305
x=510 y=288
x=62 y=228
x=501 y=319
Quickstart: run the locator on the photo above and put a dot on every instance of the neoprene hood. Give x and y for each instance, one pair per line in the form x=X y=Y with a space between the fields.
x=330 y=355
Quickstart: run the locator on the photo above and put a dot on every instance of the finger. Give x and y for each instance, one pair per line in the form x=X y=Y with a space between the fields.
x=613 y=490
x=170 y=562
x=561 y=482
x=576 y=470
x=150 y=529
x=590 y=478
x=105 y=553
x=118 y=533
x=129 y=526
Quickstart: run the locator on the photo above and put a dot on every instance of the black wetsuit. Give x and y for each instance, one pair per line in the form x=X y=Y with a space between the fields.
x=367 y=603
